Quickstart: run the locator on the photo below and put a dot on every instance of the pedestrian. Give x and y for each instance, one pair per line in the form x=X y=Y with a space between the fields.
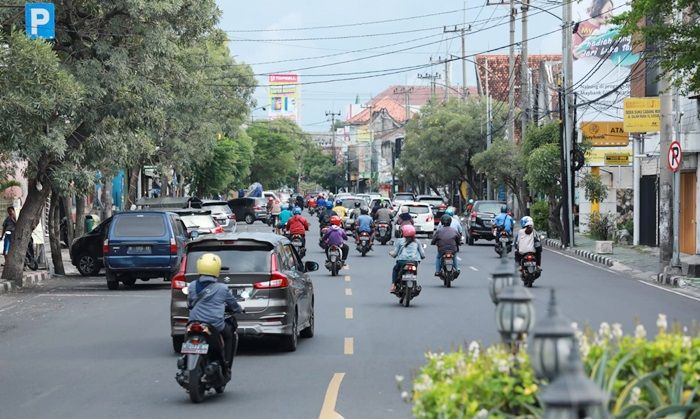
x=8 y=228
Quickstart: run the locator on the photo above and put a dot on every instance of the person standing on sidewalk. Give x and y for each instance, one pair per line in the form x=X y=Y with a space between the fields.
x=8 y=228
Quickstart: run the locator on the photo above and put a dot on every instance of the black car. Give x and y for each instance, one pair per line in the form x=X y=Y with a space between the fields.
x=480 y=221
x=86 y=251
x=249 y=209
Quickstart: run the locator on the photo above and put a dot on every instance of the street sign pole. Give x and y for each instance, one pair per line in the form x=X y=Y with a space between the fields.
x=675 y=160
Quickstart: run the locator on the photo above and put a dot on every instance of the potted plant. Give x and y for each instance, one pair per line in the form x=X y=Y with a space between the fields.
x=601 y=226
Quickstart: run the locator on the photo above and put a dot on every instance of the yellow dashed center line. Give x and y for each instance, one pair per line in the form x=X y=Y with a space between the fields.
x=348 y=313
x=347 y=278
x=348 y=291
x=349 y=346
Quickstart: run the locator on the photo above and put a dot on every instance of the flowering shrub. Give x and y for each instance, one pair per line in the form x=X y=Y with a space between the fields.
x=644 y=378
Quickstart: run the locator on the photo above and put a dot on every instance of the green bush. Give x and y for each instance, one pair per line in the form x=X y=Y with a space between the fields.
x=601 y=226
x=539 y=211
x=645 y=378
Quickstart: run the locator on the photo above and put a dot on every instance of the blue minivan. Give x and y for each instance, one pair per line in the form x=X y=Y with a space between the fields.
x=143 y=245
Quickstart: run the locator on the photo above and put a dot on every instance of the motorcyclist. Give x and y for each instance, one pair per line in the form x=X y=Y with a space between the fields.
x=446 y=240
x=299 y=201
x=455 y=224
x=470 y=205
x=355 y=213
x=406 y=249
x=528 y=241
x=504 y=221
x=207 y=300
x=383 y=214
x=298 y=225
x=340 y=210
x=364 y=224
x=321 y=201
x=377 y=204
x=335 y=236
x=284 y=217
x=325 y=215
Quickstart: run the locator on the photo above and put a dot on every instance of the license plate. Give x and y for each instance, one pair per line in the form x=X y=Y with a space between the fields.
x=296 y=243
x=504 y=240
x=382 y=231
x=408 y=277
x=529 y=264
x=241 y=293
x=195 y=348
x=364 y=239
x=139 y=250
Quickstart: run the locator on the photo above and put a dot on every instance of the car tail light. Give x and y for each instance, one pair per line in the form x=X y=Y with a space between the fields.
x=273 y=263
x=105 y=247
x=179 y=281
x=277 y=280
x=173 y=245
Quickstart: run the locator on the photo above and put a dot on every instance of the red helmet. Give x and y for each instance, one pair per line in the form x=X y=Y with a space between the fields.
x=335 y=220
x=408 y=230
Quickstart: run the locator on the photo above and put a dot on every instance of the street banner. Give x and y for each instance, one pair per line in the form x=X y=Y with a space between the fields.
x=609 y=156
x=642 y=114
x=605 y=133
x=284 y=96
x=602 y=61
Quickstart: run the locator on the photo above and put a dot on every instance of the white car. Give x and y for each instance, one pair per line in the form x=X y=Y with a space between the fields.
x=422 y=215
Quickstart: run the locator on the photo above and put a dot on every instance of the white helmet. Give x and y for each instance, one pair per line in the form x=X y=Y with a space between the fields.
x=526 y=221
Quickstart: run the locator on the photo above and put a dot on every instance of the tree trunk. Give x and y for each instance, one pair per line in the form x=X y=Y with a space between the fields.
x=70 y=225
x=28 y=217
x=107 y=201
x=133 y=192
x=555 y=225
x=79 y=216
x=55 y=234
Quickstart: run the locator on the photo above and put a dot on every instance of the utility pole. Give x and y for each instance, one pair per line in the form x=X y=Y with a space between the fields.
x=463 y=34
x=432 y=77
x=511 y=75
x=524 y=70
x=489 y=140
x=406 y=91
x=333 y=115
x=447 y=79
x=567 y=145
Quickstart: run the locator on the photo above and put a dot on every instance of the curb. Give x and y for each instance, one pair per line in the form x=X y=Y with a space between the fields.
x=603 y=260
x=30 y=279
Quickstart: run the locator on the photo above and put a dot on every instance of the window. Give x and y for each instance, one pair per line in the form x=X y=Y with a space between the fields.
x=140 y=225
x=492 y=207
x=418 y=209
x=237 y=260
x=198 y=221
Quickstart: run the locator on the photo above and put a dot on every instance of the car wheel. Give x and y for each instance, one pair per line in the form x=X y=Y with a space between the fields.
x=177 y=343
x=289 y=342
x=88 y=265
x=309 y=331
x=249 y=219
x=112 y=282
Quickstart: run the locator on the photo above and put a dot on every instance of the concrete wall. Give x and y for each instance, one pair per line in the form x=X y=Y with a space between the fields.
x=614 y=178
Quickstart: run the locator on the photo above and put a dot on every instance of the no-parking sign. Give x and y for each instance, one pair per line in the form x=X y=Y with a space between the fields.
x=675 y=156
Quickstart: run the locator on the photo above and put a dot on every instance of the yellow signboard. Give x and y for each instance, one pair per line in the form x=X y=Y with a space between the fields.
x=605 y=134
x=642 y=114
x=617 y=159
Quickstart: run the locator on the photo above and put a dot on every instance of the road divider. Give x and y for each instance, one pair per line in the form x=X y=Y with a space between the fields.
x=347 y=278
x=348 y=292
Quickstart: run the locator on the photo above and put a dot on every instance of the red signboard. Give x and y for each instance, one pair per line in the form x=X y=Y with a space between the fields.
x=675 y=156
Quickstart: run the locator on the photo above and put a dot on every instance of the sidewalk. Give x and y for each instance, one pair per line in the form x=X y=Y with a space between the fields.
x=641 y=262
x=35 y=278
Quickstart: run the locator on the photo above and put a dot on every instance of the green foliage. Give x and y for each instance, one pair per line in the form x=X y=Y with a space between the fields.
x=276 y=147
x=544 y=165
x=228 y=167
x=318 y=168
x=595 y=189
x=503 y=162
x=539 y=211
x=601 y=226
x=670 y=39
x=538 y=136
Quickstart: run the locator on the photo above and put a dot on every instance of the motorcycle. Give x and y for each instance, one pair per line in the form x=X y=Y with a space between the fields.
x=298 y=244
x=407 y=287
x=383 y=233
x=365 y=244
x=529 y=271
x=334 y=260
x=320 y=239
x=200 y=368
x=448 y=273
x=503 y=243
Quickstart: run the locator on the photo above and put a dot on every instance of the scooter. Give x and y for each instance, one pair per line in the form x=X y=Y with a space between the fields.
x=448 y=273
x=30 y=260
x=407 y=288
x=529 y=271
x=200 y=366
x=334 y=260
x=383 y=233
x=320 y=239
x=365 y=244
x=297 y=242
x=503 y=242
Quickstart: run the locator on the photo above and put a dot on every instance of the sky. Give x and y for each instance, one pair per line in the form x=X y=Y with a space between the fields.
x=261 y=31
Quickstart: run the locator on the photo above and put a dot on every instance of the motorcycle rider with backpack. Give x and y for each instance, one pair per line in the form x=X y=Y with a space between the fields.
x=528 y=241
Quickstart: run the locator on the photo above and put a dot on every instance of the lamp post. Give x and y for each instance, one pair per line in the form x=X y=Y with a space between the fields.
x=501 y=278
x=572 y=395
x=552 y=342
x=515 y=315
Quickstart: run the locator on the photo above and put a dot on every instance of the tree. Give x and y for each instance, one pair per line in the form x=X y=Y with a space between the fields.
x=504 y=163
x=227 y=166
x=318 y=168
x=275 y=149
x=673 y=41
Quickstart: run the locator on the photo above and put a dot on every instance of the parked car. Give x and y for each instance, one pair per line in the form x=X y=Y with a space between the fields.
x=249 y=209
x=267 y=276
x=222 y=214
x=86 y=251
x=437 y=203
x=422 y=216
x=480 y=221
x=143 y=245
x=402 y=197
x=200 y=221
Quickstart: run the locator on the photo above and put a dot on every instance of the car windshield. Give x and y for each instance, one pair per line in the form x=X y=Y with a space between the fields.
x=350 y=202
x=217 y=208
x=200 y=221
x=238 y=260
x=417 y=209
x=403 y=197
x=434 y=201
x=492 y=207
x=139 y=225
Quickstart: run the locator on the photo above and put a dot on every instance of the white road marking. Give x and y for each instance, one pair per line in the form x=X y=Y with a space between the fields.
x=329 y=402
x=473 y=268
x=349 y=346
x=349 y=313
x=669 y=290
x=348 y=291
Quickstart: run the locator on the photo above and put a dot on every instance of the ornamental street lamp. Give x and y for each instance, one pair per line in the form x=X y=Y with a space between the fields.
x=572 y=395
x=503 y=277
x=515 y=314
x=552 y=342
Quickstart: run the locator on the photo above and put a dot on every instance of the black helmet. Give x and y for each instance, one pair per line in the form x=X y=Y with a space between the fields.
x=504 y=209
x=446 y=220
x=364 y=211
x=357 y=204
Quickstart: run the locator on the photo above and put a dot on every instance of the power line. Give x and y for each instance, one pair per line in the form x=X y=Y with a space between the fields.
x=330 y=38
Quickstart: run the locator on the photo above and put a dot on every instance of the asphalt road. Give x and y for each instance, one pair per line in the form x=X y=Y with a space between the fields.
x=73 y=349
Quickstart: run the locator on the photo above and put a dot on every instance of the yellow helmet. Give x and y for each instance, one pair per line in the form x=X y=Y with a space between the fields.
x=209 y=264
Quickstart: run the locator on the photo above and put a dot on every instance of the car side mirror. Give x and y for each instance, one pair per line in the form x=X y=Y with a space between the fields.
x=310 y=266
x=193 y=234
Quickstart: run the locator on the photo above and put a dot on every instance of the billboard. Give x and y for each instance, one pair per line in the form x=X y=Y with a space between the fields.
x=602 y=62
x=283 y=96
